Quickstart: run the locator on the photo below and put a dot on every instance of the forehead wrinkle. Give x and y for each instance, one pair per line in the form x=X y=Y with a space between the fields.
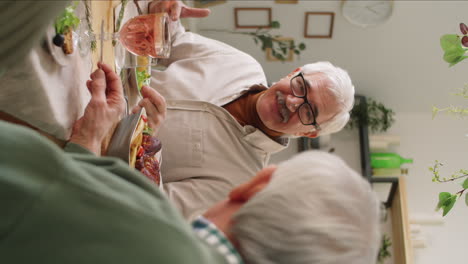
x=313 y=90
x=320 y=97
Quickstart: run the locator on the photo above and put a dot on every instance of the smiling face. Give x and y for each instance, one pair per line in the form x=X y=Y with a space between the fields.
x=277 y=107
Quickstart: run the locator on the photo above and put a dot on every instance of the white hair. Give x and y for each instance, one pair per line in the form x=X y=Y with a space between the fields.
x=341 y=89
x=315 y=210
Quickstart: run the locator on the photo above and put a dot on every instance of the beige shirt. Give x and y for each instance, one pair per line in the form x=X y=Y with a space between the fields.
x=206 y=152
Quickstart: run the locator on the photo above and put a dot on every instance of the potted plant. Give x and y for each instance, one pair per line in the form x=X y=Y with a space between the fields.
x=280 y=48
x=454 y=47
x=375 y=115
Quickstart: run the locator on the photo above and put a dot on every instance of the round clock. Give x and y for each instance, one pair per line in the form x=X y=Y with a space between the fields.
x=367 y=13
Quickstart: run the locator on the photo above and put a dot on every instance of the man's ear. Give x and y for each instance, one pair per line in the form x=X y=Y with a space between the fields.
x=244 y=192
x=313 y=134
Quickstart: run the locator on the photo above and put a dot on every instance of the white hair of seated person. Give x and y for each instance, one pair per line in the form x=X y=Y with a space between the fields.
x=314 y=210
x=342 y=89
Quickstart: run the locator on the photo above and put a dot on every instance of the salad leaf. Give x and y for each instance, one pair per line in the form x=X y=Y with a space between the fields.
x=143 y=78
x=148 y=130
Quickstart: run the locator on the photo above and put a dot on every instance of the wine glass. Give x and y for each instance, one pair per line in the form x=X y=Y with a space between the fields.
x=146 y=36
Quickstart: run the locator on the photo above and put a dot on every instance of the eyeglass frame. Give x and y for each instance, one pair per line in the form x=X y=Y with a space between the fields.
x=306 y=101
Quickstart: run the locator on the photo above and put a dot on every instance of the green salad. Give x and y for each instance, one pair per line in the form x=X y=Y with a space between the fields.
x=143 y=78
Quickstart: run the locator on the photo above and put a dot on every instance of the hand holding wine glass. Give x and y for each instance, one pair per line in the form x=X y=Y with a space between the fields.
x=149 y=35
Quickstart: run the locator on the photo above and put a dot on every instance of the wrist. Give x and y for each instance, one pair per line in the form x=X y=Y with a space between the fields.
x=89 y=144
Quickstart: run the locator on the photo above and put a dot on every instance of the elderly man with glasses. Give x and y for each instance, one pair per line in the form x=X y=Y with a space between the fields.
x=223 y=122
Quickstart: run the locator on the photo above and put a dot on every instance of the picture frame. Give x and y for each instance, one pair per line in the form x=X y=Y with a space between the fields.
x=252 y=17
x=207 y=3
x=269 y=54
x=319 y=24
x=286 y=1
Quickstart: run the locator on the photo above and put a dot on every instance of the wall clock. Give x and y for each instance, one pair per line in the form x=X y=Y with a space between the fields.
x=367 y=13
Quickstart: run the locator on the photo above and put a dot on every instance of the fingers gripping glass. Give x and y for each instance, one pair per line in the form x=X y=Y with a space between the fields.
x=307 y=113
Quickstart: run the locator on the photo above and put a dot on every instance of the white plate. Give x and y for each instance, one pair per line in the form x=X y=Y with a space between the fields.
x=120 y=142
x=119 y=145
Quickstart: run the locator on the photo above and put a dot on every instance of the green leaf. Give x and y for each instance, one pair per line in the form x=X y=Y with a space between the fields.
x=279 y=57
x=465 y=184
x=443 y=197
x=435 y=110
x=453 y=50
x=457 y=60
x=148 y=130
x=267 y=43
x=453 y=54
x=275 y=24
x=449 y=41
x=143 y=78
x=284 y=50
x=282 y=44
x=67 y=20
x=297 y=52
x=466 y=199
x=448 y=205
x=302 y=46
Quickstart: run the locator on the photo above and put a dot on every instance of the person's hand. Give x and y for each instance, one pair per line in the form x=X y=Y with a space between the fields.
x=155 y=107
x=176 y=9
x=105 y=108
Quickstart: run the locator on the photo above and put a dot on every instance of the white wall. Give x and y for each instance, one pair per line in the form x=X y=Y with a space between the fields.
x=399 y=63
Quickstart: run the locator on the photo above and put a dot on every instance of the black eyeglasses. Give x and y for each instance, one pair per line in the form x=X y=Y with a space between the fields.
x=306 y=112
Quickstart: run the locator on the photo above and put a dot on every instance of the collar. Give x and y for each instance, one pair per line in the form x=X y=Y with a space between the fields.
x=209 y=233
x=250 y=134
x=245 y=111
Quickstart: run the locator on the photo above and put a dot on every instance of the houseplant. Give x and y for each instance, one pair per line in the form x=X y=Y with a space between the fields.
x=280 y=48
x=455 y=48
x=375 y=115
x=384 y=251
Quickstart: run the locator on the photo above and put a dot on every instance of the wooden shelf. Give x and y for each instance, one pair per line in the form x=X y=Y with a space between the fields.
x=402 y=248
x=396 y=200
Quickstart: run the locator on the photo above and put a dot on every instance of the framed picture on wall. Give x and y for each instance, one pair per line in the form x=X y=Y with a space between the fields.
x=207 y=3
x=318 y=24
x=271 y=57
x=252 y=17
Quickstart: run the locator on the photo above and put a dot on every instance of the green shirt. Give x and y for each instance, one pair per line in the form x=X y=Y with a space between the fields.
x=74 y=207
